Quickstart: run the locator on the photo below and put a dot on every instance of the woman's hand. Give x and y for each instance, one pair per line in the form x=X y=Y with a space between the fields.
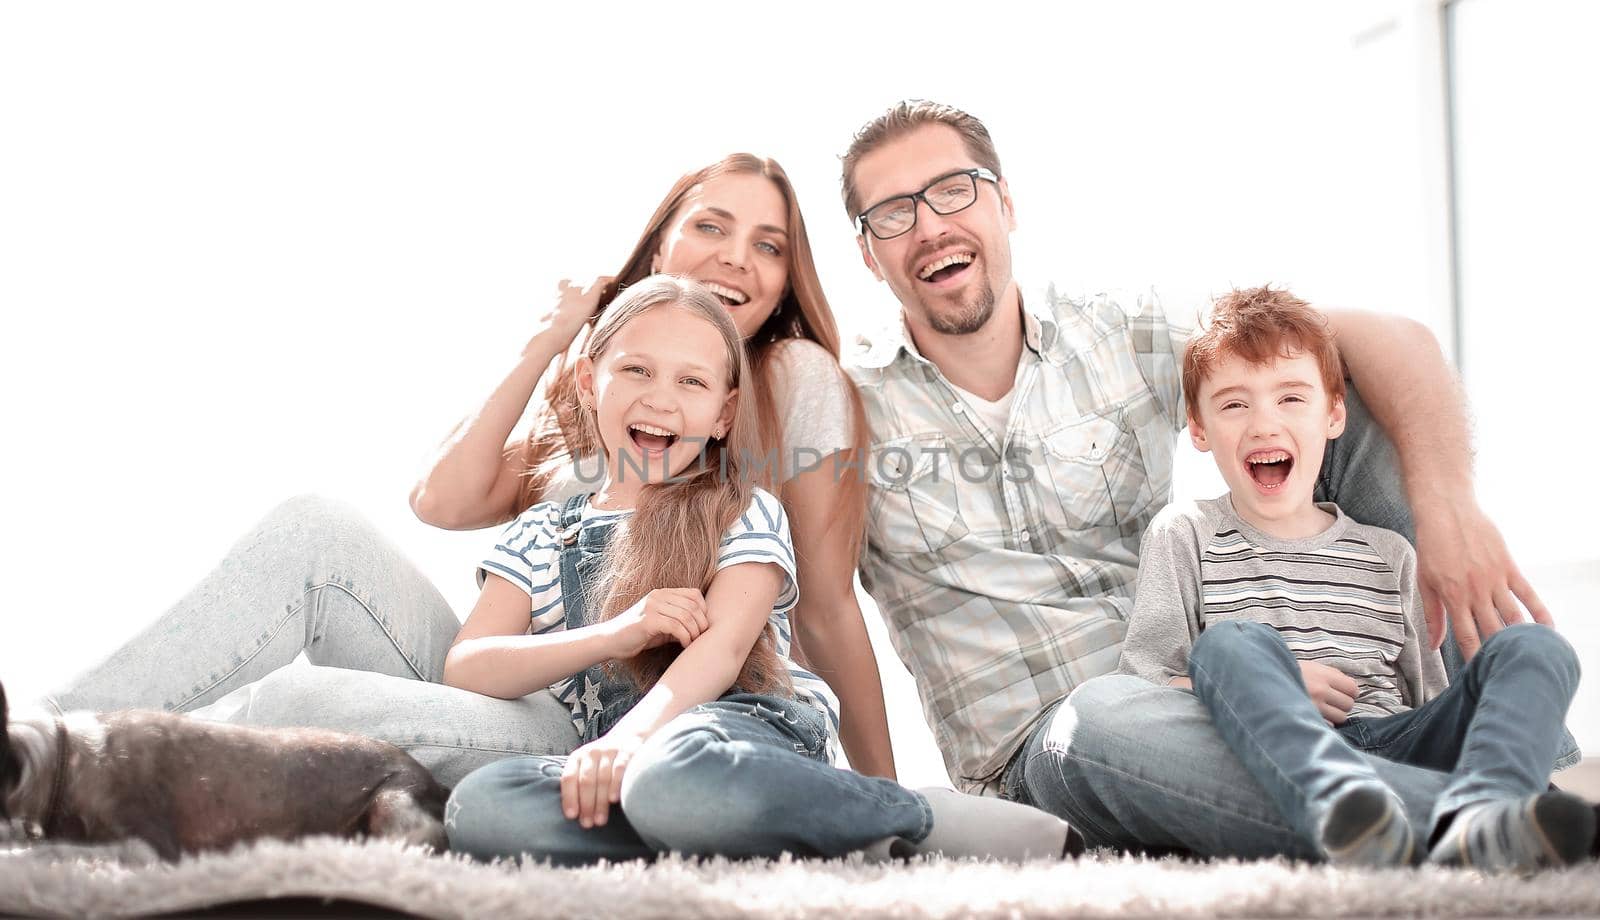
x=1331 y=689
x=592 y=780
x=574 y=306
x=664 y=615
x=478 y=475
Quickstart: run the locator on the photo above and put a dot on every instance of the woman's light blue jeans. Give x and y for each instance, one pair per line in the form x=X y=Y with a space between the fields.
x=314 y=577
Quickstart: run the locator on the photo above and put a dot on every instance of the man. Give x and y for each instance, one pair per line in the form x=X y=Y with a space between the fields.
x=1021 y=446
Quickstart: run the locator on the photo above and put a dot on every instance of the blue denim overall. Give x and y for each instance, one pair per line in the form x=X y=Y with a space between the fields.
x=743 y=775
x=582 y=552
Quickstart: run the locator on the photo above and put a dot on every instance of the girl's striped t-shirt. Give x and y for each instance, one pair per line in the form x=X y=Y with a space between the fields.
x=527 y=554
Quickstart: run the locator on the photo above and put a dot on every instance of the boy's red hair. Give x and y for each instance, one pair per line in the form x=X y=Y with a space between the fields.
x=1260 y=325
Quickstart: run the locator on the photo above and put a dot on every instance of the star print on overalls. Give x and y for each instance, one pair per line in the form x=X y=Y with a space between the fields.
x=591 y=693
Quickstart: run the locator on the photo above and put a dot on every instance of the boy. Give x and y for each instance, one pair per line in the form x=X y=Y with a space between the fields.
x=1303 y=632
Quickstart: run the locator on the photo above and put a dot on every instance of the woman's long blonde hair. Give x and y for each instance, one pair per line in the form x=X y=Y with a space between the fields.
x=802 y=312
x=672 y=538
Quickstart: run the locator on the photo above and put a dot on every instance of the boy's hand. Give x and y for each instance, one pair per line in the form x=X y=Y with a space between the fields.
x=591 y=782
x=1465 y=572
x=1331 y=689
x=664 y=615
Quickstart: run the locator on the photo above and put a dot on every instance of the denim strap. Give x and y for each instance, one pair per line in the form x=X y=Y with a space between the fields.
x=581 y=552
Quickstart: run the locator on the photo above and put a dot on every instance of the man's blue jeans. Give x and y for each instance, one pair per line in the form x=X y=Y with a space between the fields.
x=1136 y=766
x=1495 y=731
x=745 y=775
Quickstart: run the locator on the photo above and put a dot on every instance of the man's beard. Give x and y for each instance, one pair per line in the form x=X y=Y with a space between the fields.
x=968 y=316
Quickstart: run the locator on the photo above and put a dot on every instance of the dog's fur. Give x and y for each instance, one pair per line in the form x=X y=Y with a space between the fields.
x=183 y=785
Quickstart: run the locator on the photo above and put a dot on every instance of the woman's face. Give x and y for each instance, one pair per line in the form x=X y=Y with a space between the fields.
x=732 y=234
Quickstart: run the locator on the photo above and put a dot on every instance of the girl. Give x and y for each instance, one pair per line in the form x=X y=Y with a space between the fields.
x=657 y=609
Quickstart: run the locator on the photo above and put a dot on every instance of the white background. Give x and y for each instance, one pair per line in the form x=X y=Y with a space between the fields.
x=251 y=250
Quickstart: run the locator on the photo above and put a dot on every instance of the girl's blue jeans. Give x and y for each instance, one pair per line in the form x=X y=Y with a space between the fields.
x=745 y=775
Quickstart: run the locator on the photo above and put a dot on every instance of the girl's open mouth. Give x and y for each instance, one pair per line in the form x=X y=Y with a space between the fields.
x=651 y=438
x=1269 y=468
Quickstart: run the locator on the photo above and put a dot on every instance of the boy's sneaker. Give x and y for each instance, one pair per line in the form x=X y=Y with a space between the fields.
x=978 y=827
x=1520 y=835
x=1367 y=826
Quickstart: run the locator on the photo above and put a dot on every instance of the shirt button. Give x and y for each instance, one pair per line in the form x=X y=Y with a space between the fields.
x=1025 y=536
x=957 y=407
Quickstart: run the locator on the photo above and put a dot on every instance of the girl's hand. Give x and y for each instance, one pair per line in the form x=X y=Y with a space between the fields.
x=592 y=780
x=574 y=306
x=664 y=615
x=1331 y=689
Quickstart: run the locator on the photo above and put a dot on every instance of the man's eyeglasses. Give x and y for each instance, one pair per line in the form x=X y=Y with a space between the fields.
x=944 y=195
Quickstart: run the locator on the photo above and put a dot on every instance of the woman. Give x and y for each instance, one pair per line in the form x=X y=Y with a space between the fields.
x=735 y=226
x=314 y=577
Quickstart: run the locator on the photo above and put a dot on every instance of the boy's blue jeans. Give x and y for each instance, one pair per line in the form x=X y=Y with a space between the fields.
x=1495 y=731
x=724 y=778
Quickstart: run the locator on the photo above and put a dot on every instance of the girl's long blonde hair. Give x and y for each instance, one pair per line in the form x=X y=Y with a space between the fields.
x=672 y=538
x=802 y=312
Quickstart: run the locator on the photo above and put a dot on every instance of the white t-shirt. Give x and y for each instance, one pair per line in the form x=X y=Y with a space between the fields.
x=812 y=397
x=995 y=414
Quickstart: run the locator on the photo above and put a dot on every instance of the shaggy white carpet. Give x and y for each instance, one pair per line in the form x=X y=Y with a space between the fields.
x=82 y=882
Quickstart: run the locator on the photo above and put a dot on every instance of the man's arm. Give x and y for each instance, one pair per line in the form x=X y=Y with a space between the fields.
x=1464 y=570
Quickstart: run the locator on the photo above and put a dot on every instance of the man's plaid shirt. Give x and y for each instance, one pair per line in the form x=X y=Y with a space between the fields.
x=1004 y=563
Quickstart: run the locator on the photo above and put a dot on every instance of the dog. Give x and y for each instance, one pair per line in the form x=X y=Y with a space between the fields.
x=185 y=785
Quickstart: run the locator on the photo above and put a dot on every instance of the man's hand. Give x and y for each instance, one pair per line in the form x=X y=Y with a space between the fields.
x=1465 y=572
x=1331 y=689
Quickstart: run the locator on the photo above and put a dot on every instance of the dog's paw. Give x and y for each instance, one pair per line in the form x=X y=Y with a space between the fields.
x=13 y=834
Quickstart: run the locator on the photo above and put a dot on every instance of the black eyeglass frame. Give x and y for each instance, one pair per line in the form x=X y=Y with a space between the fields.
x=976 y=173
